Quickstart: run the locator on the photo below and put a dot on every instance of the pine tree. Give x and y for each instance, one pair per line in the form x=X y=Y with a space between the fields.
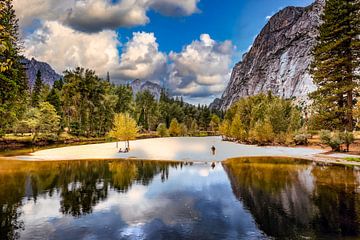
x=37 y=90
x=108 y=77
x=13 y=86
x=336 y=57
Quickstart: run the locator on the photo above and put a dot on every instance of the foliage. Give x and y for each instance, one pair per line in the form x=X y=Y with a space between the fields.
x=146 y=110
x=336 y=139
x=302 y=138
x=42 y=121
x=175 y=128
x=36 y=91
x=14 y=86
x=125 y=128
x=332 y=139
x=348 y=138
x=87 y=103
x=261 y=119
x=334 y=69
x=214 y=123
x=162 y=130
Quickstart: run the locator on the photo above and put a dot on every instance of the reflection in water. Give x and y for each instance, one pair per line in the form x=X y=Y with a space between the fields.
x=265 y=198
x=297 y=201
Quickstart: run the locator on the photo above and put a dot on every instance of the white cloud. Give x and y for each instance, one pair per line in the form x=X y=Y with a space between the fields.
x=63 y=47
x=141 y=59
x=97 y=15
x=202 y=68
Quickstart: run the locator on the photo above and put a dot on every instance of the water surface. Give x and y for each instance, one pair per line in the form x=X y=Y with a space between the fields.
x=252 y=198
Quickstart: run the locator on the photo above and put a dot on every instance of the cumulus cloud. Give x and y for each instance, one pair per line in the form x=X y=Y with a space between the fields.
x=202 y=68
x=97 y=15
x=142 y=59
x=175 y=7
x=63 y=47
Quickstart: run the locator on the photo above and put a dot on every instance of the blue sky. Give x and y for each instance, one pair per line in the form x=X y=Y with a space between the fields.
x=189 y=46
x=236 y=20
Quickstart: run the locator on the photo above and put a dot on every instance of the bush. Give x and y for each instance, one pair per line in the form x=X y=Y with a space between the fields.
x=348 y=138
x=302 y=139
x=162 y=130
x=332 y=139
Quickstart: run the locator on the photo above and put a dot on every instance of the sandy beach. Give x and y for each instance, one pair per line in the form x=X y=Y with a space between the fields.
x=179 y=149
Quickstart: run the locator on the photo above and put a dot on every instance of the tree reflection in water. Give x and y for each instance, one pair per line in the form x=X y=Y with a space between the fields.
x=296 y=201
x=81 y=184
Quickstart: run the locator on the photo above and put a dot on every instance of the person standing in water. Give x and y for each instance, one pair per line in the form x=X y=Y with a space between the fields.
x=213 y=150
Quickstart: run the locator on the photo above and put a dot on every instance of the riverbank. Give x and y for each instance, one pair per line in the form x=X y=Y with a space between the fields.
x=179 y=149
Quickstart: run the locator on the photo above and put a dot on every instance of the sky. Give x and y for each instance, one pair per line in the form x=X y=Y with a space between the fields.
x=187 y=46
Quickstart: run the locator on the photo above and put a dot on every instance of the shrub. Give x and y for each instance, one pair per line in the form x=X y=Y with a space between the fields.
x=302 y=138
x=162 y=130
x=332 y=139
x=348 y=138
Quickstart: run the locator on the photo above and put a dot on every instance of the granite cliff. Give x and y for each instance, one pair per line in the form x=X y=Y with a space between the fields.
x=279 y=59
x=48 y=74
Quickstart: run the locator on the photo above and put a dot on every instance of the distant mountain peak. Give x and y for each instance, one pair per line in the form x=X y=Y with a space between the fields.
x=138 y=85
x=48 y=74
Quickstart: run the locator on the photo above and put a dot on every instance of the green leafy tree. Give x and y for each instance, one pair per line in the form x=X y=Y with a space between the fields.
x=125 y=99
x=162 y=130
x=125 y=128
x=263 y=119
x=214 y=123
x=237 y=129
x=146 y=107
x=225 y=129
x=175 y=128
x=335 y=65
x=87 y=102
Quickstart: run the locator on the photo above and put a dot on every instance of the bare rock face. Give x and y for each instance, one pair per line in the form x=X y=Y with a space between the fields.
x=48 y=74
x=279 y=59
x=141 y=86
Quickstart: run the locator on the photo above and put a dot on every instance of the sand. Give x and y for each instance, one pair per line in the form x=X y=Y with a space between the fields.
x=179 y=149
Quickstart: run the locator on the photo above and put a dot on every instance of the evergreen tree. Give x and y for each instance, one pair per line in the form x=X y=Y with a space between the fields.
x=36 y=92
x=336 y=58
x=108 y=77
x=13 y=87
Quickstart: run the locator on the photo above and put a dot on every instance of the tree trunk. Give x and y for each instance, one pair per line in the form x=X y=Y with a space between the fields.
x=349 y=115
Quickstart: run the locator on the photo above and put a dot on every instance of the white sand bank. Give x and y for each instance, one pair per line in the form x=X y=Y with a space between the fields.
x=182 y=149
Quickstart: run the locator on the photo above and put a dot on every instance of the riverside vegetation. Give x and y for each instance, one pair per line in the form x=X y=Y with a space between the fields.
x=84 y=105
x=335 y=109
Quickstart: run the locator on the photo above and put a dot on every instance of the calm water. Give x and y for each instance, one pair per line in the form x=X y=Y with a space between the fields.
x=255 y=198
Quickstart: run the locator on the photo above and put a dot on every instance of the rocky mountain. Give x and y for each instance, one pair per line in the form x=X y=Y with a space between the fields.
x=140 y=86
x=48 y=74
x=279 y=59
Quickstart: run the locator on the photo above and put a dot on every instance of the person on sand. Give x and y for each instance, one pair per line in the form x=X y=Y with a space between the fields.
x=213 y=150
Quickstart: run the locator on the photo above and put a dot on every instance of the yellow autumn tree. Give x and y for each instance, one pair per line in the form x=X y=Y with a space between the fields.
x=125 y=128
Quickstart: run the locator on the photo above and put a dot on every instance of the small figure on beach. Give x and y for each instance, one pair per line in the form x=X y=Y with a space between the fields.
x=213 y=165
x=213 y=150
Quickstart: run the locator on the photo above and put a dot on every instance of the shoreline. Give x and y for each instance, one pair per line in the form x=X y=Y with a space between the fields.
x=185 y=149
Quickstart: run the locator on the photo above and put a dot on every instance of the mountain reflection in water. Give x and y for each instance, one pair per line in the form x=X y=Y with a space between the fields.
x=122 y=199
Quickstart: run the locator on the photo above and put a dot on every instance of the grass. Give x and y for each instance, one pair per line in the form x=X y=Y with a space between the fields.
x=353 y=159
